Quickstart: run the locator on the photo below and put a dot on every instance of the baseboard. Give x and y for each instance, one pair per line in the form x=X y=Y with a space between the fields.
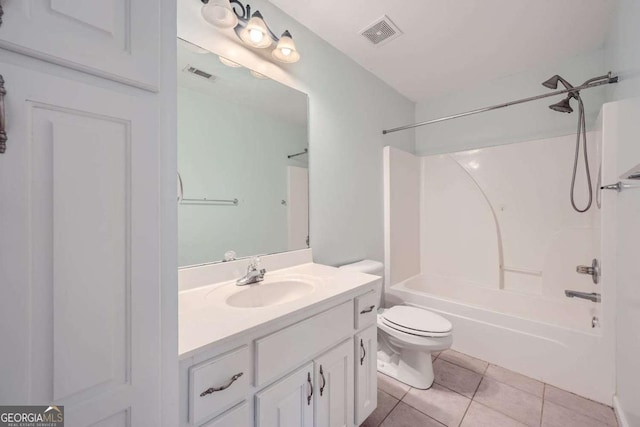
x=622 y=419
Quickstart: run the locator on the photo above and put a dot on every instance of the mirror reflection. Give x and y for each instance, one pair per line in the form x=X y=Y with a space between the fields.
x=242 y=161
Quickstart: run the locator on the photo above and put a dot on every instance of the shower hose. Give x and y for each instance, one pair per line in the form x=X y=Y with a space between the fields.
x=581 y=135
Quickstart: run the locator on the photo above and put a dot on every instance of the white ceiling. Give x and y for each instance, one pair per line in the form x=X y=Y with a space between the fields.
x=449 y=44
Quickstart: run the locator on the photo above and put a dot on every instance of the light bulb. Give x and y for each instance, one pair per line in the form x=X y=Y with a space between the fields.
x=286 y=50
x=256 y=35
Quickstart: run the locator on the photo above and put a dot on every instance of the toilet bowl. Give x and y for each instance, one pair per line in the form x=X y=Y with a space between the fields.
x=407 y=336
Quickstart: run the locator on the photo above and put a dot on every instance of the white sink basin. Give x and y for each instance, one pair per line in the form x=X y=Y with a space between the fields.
x=269 y=293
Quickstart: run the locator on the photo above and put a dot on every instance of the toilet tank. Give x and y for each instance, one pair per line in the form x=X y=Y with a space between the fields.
x=369 y=266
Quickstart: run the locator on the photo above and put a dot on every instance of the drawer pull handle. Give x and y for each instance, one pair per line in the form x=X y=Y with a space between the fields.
x=310 y=388
x=324 y=381
x=368 y=310
x=364 y=352
x=224 y=387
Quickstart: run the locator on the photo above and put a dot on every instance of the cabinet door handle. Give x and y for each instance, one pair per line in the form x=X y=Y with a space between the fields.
x=364 y=352
x=223 y=387
x=310 y=395
x=368 y=310
x=324 y=381
x=3 y=127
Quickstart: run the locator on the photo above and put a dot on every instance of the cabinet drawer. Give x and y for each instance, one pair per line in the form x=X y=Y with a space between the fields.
x=219 y=383
x=279 y=352
x=366 y=309
x=234 y=417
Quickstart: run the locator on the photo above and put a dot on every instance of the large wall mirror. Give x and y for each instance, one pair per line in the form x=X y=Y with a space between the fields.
x=242 y=161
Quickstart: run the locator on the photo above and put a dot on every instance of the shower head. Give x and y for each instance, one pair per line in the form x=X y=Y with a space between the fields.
x=563 y=106
x=552 y=83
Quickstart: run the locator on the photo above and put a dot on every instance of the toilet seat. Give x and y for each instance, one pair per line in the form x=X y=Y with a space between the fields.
x=416 y=321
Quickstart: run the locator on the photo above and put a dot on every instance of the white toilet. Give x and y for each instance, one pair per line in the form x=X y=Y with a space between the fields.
x=407 y=336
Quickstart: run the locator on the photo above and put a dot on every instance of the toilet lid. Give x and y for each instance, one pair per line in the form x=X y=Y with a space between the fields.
x=416 y=320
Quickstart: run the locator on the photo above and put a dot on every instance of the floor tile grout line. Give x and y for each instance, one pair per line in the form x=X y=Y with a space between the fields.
x=410 y=406
x=579 y=397
x=517 y=388
x=465 y=411
x=496 y=409
x=389 y=413
x=462 y=367
x=501 y=413
x=424 y=413
x=544 y=389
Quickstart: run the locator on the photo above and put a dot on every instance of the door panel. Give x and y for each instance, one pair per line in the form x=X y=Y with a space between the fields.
x=334 y=382
x=79 y=261
x=287 y=403
x=366 y=349
x=118 y=39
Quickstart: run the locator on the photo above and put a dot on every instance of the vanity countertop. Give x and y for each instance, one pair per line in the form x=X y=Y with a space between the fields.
x=205 y=318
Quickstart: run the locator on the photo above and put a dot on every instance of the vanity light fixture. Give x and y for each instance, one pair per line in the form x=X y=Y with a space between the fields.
x=250 y=28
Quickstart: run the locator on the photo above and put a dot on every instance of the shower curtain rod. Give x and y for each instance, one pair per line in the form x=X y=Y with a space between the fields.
x=607 y=80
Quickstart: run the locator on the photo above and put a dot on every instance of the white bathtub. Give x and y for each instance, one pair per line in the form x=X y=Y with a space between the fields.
x=545 y=338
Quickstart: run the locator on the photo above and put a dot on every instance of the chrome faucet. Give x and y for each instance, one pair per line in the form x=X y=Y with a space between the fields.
x=584 y=295
x=254 y=273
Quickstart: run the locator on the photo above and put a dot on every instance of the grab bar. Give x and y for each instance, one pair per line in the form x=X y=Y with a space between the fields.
x=595 y=297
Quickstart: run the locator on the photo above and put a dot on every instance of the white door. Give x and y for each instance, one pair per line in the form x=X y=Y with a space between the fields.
x=334 y=383
x=79 y=248
x=289 y=402
x=118 y=39
x=298 y=207
x=621 y=152
x=366 y=349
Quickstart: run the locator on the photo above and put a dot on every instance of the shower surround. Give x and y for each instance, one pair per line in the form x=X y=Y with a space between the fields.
x=498 y=244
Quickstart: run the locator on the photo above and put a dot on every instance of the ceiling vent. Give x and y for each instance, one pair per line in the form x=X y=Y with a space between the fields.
x=200 y=73
x=382 y=31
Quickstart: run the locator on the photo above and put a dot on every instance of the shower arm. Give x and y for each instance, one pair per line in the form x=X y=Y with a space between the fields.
x=594 y=82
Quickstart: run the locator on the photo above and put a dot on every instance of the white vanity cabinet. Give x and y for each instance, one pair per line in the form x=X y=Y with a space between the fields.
x=298 y=371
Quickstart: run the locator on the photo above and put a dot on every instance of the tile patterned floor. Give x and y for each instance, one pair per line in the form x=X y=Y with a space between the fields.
x=469 y=392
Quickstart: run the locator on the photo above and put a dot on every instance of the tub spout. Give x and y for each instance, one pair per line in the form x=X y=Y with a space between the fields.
x=584 y=295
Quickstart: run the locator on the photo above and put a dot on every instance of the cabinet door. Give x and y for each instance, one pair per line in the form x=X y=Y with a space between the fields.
x=237 y=416
x=289 y=402
x=334 y=383
x=117 y=39
x=79 y=300
x=366 y=348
